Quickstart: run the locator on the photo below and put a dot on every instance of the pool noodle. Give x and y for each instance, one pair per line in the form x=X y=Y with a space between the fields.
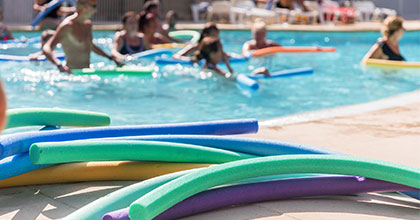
x=97 y=171
x=171 y=61
x=18 y=143
x=391 y=63
x=285 y=73
x=152 y=53
x=4 y=57
x=290 y=49
x=55 y=117
x=51 y=6
x=113 y=150
x=195 y=36
x=33 y=40
x=267 y=191
x=247 y=82
x=164 y=197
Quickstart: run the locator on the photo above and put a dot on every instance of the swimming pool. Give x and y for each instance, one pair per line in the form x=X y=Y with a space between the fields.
x=181 y=94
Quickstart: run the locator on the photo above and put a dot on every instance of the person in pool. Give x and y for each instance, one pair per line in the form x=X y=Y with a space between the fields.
x=210 y=30
x=211 y=50
x=4 y=31
x=147 y=26
x=152 y=6
x=128 y=41
x=387 y=47
x=45 y=36
x=259 y=32
x=75 y=36
x=53 y=18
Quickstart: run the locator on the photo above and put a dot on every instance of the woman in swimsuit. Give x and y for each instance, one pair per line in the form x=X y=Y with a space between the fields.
x=148 y=27
x=387 y=47
x=128 y=41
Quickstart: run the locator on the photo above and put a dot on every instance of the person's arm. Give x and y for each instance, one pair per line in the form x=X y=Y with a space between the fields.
x=165 y=33
x=262 y=70
x=35 y=56
x=63 y=11
x=161 y=38
x=117 y=45
x=226 y=61
x=245 y=48
x=375 y=52
x=100 y=52
x=183 y=54
x=272 y=43
x=48 y=48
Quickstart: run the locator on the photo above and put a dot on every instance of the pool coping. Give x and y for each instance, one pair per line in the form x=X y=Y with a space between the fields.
x=346 y=110
x=410 y=25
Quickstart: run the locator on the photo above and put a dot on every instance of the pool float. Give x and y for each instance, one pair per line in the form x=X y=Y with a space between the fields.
x=12 y=144
x=55 y=117
x=153 y=53
x=33 y=40
x=171 y=61
x=391 y=63
x=194 y=35
x=247 y=82
x=97 y=171
x=285 y=73
x=114 y=150
x=51 y=6
x=128 y=70
x=164 y=197
x=16 y=58
x=287 y=49
x=285 y=188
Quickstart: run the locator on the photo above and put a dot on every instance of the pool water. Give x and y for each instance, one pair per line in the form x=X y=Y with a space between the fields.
x=181 y=94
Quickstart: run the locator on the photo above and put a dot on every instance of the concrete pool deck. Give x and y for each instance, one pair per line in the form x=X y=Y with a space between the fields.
x=387 y=129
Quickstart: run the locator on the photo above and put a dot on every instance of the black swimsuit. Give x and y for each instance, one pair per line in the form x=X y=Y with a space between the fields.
x=127 y=49
x=389 y=52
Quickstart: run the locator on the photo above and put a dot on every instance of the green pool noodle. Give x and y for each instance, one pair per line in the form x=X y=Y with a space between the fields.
x=164 y=197
x=195 y=36
x=114 y=150
x=122 y=198
x=129 y=71
x=55 y=117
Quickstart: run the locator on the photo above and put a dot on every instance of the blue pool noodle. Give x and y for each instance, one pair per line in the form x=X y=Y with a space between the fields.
x=16 y=165
x=247 y=82
x=285 y=73
x=53 y=5
x=12 y=144
x=169 y=61
x=4 y=57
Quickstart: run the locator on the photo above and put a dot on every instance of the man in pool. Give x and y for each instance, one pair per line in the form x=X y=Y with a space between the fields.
x=75 y=36
x=259 y=32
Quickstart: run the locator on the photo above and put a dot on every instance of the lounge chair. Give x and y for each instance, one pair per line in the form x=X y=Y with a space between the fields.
x=369 y=12
x=218 y=8
x=245 y=9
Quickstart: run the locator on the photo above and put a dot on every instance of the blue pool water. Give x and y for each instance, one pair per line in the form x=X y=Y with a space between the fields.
x=181 y=94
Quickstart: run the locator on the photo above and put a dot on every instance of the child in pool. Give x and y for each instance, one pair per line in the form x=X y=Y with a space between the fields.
x=4 y=31
x=128 y=41
x=259 y=32
x=147 y=26
x=211 y=50
x=45 y=36
x=387 y=47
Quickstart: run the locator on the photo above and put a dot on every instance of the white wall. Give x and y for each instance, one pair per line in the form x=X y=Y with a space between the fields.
x=408 y=9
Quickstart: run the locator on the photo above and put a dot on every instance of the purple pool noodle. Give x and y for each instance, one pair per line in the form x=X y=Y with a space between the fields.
x=268 y=191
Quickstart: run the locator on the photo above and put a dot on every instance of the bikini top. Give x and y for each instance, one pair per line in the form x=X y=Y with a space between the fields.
x=127 y=49
x=389 y=52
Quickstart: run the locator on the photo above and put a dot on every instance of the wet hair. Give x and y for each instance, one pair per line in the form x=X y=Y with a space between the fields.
x=127 y=15
x=208 y=28
x=207 y=46
x=46 y=35
x=145 y=19
x=149 y=5
x=392 y=25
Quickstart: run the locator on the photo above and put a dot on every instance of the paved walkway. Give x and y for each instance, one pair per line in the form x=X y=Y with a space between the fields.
x=391 y=134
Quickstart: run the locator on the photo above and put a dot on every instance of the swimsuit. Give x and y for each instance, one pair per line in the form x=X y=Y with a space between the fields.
x=127 y=49
x=389 y=52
